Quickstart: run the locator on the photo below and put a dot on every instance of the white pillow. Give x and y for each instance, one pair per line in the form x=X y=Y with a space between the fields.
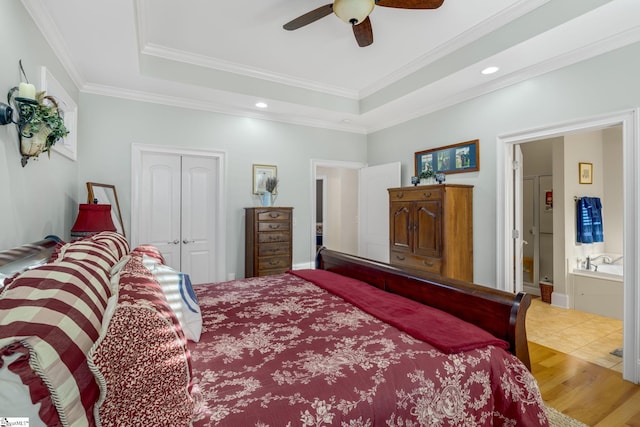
x=180 y=296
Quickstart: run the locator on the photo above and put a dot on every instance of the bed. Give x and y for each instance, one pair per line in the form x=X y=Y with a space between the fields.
x=352 y=343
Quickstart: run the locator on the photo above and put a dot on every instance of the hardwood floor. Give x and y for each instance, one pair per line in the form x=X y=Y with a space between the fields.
x=595 y=395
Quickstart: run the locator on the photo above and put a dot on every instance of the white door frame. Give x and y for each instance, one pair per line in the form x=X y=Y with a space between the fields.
x=137 y=151
x=630 y=121
x=315 y=163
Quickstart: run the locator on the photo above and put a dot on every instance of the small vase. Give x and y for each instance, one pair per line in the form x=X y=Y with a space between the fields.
x=266 y=199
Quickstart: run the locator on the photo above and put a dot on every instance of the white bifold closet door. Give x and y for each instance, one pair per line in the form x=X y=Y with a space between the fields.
x=177 y=211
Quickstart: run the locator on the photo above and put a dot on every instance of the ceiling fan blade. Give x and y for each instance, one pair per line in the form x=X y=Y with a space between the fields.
x=363 y=33
x=309 y=17
x=411 y=4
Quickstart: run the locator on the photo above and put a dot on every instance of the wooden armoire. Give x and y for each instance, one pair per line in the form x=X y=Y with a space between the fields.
x=431 y=229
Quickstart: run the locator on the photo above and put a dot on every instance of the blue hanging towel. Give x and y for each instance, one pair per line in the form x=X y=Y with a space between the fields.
x=584 y=231
x=596 y=218
x=589 y=227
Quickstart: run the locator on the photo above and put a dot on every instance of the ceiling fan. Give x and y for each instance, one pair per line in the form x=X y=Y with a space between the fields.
x=356 y=13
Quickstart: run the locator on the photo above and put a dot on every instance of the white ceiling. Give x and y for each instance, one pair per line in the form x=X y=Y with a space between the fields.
x=224 y=56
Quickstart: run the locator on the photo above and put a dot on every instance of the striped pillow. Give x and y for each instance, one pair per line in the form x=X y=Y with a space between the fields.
x=52 y=315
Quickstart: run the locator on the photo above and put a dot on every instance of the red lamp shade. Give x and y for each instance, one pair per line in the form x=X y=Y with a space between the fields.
x=92 y=219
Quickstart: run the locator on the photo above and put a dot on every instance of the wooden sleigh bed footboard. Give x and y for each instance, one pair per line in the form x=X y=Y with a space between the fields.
x=500 y=313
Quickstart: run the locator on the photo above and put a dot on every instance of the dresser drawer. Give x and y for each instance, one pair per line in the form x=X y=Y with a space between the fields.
x=273 y=226
x=270 y=272
x=426 y=193
x=273 y=249
x=431 y=265
x=274 y=215
x=273 y=262
x=273 y=237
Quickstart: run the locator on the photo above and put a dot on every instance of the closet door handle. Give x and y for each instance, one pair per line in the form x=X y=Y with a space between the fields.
x=186 y=242
x=175 y=242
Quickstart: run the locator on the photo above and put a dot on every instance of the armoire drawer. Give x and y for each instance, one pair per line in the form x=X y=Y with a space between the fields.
x=432 y=265
x=416 y=194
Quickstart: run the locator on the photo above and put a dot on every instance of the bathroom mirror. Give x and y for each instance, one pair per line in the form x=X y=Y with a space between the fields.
x=105 y=194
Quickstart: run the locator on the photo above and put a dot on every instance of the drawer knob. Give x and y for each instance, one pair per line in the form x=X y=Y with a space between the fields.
x=428 y=263
x=274 y=226
x=274 y=262
x=400 y=195
x=274 y=214
x=427 y=195
x=400 y=257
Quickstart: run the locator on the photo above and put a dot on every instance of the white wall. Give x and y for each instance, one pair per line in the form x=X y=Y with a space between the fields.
x=41 y=198
x=604 y=84
x=613 y=190
x=109 y=126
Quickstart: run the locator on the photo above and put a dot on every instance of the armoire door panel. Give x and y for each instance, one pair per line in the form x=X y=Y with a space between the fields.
x=401 y=223
x=428 y=228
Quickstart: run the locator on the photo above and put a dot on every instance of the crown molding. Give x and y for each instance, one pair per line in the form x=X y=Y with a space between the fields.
x=187 y=103
x=479 y=30
x=52 y=36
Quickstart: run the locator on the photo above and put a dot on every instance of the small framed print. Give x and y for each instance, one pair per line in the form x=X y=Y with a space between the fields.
x=585 y=171
x=260 y=175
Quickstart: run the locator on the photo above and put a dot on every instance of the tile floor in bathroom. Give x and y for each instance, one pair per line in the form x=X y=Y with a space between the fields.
x=587 y=336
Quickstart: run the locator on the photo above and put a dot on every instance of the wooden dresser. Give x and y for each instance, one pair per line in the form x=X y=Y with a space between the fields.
x=268 y=246
x=431 y=229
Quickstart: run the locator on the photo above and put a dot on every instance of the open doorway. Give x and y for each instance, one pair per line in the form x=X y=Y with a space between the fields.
x=507 y=232
x=594 y=297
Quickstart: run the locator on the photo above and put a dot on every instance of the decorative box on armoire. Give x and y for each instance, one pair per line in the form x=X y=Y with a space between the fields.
x=431 y=229
x=268 y=243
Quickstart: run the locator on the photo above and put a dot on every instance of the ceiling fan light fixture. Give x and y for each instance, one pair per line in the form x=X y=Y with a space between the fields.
x=353 y=11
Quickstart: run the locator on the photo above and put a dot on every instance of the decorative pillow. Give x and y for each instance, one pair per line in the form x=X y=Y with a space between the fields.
x=180 y=296
x=51 y=316
x=146 y=369
x=150 y=251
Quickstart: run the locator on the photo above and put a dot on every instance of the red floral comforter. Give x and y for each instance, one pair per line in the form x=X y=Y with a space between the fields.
x=280 y=351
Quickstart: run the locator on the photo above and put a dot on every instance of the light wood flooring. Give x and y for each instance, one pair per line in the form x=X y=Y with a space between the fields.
x=586 y=336
x=582 y=389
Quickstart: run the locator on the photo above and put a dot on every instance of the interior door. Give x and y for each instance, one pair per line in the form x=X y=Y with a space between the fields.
x=178 y=213
x=373 y=226
x=518 y=240
x=198 y=196
x=160 y=209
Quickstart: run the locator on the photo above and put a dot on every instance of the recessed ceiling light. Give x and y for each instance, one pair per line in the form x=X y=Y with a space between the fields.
x=490 y=70
x=261 y=104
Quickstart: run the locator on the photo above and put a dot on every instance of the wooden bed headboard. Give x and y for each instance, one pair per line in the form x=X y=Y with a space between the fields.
x=498 y=312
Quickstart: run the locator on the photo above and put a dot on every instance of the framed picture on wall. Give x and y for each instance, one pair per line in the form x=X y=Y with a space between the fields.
x=68 y=109
x=585 y=171
x=456 y=158
x=260 y=175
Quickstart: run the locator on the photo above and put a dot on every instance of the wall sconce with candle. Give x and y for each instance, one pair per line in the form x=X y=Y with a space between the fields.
x=38 y=121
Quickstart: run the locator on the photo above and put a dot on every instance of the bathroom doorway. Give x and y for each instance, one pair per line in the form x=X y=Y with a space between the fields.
x=507 y=233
